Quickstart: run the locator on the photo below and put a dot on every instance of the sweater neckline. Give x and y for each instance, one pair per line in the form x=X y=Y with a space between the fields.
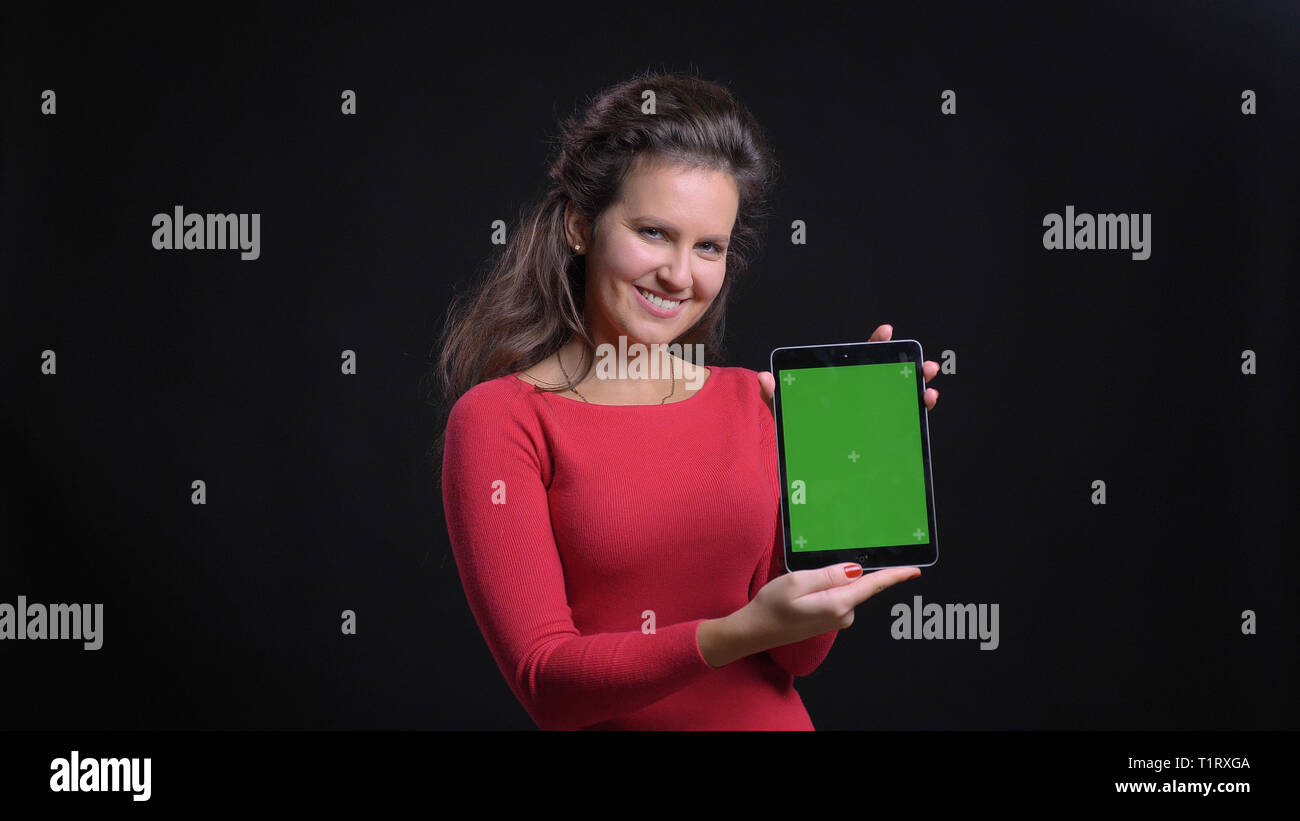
x=712 y=377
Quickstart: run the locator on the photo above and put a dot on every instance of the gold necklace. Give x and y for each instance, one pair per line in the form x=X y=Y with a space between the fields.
x=588 y=401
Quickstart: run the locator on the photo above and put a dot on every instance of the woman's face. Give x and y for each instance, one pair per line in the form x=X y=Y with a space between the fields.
x=668 y=235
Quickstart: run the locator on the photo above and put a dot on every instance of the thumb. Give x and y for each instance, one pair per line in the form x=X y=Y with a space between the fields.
x=824 y=578
x=767 y=382
x=838 y=575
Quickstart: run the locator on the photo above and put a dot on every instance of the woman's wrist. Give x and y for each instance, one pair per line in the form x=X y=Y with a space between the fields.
x=725 y=640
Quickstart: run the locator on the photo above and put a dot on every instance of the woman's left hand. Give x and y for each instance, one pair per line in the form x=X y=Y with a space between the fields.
x=928 y=368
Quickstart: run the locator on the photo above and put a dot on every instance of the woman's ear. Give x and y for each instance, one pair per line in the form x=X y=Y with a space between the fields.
x=575 y=228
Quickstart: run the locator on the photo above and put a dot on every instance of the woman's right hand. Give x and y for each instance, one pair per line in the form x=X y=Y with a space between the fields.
x=805 y=603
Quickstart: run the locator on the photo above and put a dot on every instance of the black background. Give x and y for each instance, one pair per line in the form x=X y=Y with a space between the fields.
x=1072 y=366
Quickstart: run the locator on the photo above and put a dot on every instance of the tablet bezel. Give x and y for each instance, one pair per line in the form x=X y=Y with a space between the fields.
x=838 y=355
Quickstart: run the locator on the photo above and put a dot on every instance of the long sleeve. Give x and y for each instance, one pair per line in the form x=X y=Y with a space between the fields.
x=495 y=496
x=802 y=657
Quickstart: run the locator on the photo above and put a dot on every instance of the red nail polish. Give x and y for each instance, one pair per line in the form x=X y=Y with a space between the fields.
x=853 y=570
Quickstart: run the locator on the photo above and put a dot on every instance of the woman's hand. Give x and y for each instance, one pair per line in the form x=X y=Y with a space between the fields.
x=805 y=603
x=929 y=369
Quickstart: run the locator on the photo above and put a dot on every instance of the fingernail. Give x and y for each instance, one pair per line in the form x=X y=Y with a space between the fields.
x=852 y=570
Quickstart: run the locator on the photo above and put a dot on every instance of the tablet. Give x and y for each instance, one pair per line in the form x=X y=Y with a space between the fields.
x=853 y=437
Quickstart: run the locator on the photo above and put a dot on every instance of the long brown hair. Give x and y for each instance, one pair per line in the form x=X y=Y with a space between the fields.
x=531 y=301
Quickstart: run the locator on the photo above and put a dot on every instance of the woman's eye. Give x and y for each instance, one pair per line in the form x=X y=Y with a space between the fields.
x=716 y=248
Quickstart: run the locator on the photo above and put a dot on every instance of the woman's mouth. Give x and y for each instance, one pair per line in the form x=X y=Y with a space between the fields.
x=659 y=306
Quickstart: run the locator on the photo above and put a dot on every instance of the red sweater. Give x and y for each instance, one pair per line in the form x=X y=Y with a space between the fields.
x=571 y=522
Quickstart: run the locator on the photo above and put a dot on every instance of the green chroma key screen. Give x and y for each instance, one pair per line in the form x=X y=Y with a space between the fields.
x=854 y=466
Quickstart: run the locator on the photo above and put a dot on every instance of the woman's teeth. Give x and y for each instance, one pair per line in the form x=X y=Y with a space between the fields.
x=666 y=304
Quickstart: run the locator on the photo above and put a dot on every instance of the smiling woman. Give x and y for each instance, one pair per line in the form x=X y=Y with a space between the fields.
x=669 y=204
x=618 y=535
x=642 y=263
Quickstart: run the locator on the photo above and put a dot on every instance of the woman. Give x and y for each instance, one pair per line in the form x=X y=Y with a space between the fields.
x=618 y=537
